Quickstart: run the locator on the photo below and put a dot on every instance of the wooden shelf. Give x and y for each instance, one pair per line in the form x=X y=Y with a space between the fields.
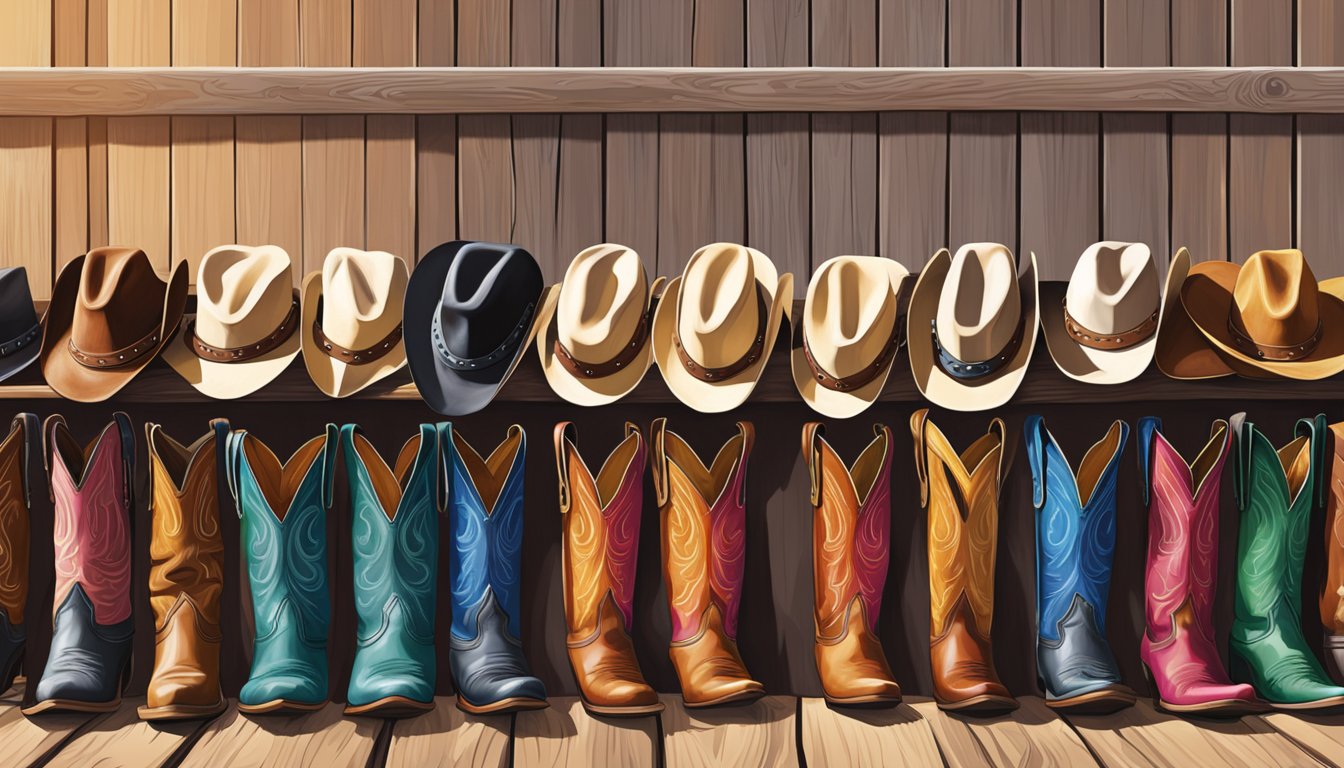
x=462 y=90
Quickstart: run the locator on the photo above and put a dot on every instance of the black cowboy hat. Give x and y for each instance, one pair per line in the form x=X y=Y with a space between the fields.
x=20 y=328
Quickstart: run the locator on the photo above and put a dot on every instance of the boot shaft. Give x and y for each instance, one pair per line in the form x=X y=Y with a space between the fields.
x=185 y=549
x=15 y=498
x=1332 y=591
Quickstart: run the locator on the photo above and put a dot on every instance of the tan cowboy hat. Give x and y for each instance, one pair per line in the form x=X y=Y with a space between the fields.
x=351 y=320
x=243 y=334
x=109 y=316
x=971 y=326
x=716 y=324
x=1182 y=352
x=849 y=334
x=1269 y=315
x=595 y=326
x=1101 y=326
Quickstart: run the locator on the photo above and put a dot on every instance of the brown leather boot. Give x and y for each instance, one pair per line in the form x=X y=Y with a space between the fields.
x=601 y=539
x=14 y=502
x=186 y=575
x=1332 y=590
x=851 y=533
x=961 y=493
x=704 y=555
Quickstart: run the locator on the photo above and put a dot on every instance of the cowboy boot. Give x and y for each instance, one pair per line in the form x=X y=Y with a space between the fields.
x=704 y=554
x=601 y=536
x=851 y=543
x=1075 y=541
x=485 y=653
x=186 y=575
x=1332 y=591
x=1275 y=493
x=1178 y=648
x=396 y=558
x=89 y=661
x=14 y=507
x=961 y=494
x=283 y=508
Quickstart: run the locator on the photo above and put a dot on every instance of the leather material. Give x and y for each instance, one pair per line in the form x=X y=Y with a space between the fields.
x=283 y=510
x=1079 y=661
x=1332 y=590
x=1276 y=493
x=87 y=657
x=395 y=514
x=600 y=522
x=486 y=655
x=851 y=543
x=14 y=501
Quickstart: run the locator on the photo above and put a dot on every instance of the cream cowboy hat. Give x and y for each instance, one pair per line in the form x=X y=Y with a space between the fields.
x=1101 y=326
x=351 y=323
x=595 y=326
x=844 y=346
x=716 y=324
x=971 y=326
x=243 y=334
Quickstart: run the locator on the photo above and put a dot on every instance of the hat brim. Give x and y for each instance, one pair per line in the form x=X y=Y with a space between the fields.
x=229 y=381
x=1207 y=295
x=12 y=364
x=600 y=390
x=333 y=377
x=1182 y=352
x=715 y=396
x=77 y=382
x=1083 y=363
x=965 y=394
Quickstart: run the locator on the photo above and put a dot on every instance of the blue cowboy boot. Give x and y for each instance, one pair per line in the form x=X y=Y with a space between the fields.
x=1075 y=542
x=14 y=507
x=285 y=538
x=485 y=653
x=396 y=548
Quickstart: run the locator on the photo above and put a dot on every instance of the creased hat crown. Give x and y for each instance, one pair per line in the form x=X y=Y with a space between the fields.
x=362 y=295
x=1276 y=301
x=980 y=307
x=601 y=302
x=1114 y=287
x=485 y=295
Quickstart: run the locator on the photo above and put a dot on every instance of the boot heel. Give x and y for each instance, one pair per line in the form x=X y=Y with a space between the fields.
x=1238 y=669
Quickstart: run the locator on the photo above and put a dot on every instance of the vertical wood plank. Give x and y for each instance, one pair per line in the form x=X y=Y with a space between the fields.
x=96 y=56
x=385 y=36
x=1320 y=144
x=26 y=153
x=1260 y=147
x=436 y=135
x=484 y=142
x=536 y=143
x=580 y=206
x=70 y=32
x=1199 y=142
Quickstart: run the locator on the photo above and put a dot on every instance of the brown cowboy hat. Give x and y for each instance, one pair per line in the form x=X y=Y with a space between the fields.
x=1269 y=315
x=109 y=316
x=1182 y=351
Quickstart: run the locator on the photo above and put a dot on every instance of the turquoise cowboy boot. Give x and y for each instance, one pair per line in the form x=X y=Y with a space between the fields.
x=1276 y=491
x=395 y=514
x=285 y=538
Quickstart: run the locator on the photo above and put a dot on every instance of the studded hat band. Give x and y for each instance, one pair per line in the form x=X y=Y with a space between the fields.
x=629 y=352
x=959 y=369
x=117 y=358
x=505 y=350
x=355 y=356
x=1081 y=334
x=242 y=354
x=1283 y=354
x=22 y=340
x=744 y=362
x=865 y=376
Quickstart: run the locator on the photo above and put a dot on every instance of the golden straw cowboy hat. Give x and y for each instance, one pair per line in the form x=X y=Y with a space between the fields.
x=716 y=324
x=351 y=320
x=1269 y=315
x=244 y=332
x=1182 y=351
x=846 y=342
x=595 y=326
x=1101 y=326
x=971 y=326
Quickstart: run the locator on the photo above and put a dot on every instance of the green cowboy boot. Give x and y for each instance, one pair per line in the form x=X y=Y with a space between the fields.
x=1276 y=491
x=395 y=511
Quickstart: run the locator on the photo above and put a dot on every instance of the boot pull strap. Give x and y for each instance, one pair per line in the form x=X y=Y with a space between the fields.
x=1034 y=435
x=221 y=430
x=233 y=457
x=918 y=419
x=812 y=455
x=658 y=464
x=32 y=430
x=748 y=433
x=1242 y=432
x=48 y=447
x=127 y=435
x=353 y=462
x=999 y=428
x=150 y=429
x=1148 y=428
x=1316 y=431
x=564 y=431
x=447 y=457
x=329 y=465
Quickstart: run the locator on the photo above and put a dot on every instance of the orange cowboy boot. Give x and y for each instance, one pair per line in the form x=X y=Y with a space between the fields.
x=1332 y=591
x=961 y=493
x=186 y=575
x=704 y=555
x=14 y=505
x=851 y=543
x=601 y=537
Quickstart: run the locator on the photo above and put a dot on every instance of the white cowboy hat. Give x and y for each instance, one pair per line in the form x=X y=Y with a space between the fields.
x=716 y=324
x=351 y=322
x=243 y=334
x=595 y=326
x=1101 y=326
x=971 y=326
x=850 y=331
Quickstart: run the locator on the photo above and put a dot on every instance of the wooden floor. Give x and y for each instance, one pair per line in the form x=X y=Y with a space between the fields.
x=777 y=731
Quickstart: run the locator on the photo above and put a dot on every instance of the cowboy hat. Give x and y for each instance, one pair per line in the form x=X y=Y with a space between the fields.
x=1101 y=326
x=243 y=334
x=593 y=328
x=350 y=324
x=20 y=327
x=1182 y=352
x=850 y=331
x=471 y=311
x=109 y=316
x=716 y=324
x=1269 y=315
x=971 y=326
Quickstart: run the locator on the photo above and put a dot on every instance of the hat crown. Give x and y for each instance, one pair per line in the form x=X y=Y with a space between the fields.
x=17 y=313
x=980 y=307
x=243 y=294
x=1114 y=287
x=718 y=315
x=362 y=295
x=603 y=298
x=1275 y=299
x=485 y=293
x=850 y=313
x=120 y=300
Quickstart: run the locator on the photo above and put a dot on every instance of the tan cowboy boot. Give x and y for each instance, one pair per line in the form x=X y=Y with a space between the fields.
x=1332 y=591
x=851 y=533
x=961 y=493
x=601 y=538
x=186 y=575
x=14 y=502
x=704 y=554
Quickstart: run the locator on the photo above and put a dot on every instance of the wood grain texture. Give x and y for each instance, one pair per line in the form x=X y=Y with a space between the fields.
x=385 y=35
x=564 y=734
x=912 y=185
x=834 y=737
x=25 y=742
x=449 y=738
x=761 y=734
x=484 y=143
x=536 y=143
x=958 y=745
x=632 y=185
x=1199 y=142
x=122 y=738
x=1260 y=147
x=333 y=147
x=26 y=152
x=701 y=180
x=70 y=33
x=1141 y=735
x=321 y=740
x=1320 y=143
x=1321 y=736
x=436 y=181
x=1033 y=735
x=579 y=204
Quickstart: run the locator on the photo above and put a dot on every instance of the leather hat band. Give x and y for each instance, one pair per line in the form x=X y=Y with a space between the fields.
x=505 y=350
x=959 y=369
x=117 y=358
x=22 y=340
x=1086 y=337
x=744 y=362
x=1271 y=352
x=862 y=377
x=355 y=356
x=248 y=351
x=630 y=351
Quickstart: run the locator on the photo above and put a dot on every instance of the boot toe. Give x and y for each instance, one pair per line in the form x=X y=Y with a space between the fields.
x=281 y=687
x=622 y=693
x=866 y=688
x=180 y=689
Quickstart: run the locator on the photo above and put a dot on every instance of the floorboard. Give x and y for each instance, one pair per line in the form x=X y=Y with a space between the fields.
x=25 y=741
x=959 y=746
x=123 y=739
x=1032 y=735
x=763 y=733
x=450 y=737
x=844 y=737
x=564 y=734
x=1322 y=736
x=323 y=739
